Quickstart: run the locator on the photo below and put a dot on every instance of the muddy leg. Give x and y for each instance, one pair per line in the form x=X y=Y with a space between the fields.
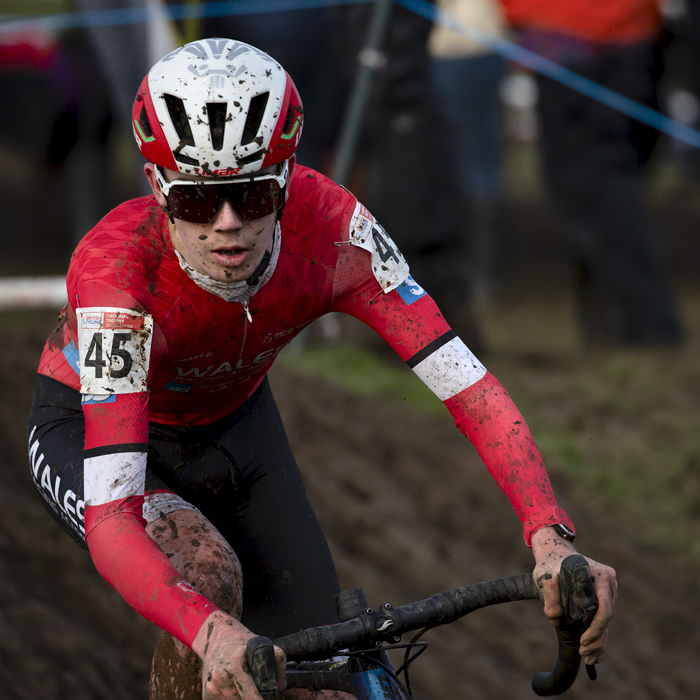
x=203 y=557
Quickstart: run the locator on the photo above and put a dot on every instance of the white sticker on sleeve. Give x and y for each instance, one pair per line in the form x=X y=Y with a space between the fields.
x=114 y=476
x=388 y=264
x=115 y=350
x=450 y=369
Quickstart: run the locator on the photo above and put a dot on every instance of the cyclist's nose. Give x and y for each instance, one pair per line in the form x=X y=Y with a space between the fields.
x=227 y=218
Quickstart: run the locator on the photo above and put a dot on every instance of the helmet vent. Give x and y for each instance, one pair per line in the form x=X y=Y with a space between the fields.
x=178 y=114
x=247 y=160
x=289 y=123
x=145 y=124
x=256 y=111
x=217 y=123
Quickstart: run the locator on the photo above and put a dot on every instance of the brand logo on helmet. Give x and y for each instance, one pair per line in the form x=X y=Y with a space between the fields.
x=204 y=70
x=213 y=48
x=221 y=172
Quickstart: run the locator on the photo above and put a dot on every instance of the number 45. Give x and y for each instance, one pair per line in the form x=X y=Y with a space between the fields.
x=95 y=358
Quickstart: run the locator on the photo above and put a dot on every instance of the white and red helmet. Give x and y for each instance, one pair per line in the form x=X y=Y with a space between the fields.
x=217 y=107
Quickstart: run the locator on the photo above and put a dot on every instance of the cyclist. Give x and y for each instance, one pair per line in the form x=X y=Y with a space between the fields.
x=154 y=437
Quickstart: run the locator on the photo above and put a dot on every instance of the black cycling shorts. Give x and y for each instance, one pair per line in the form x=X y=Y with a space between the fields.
x=239 y=472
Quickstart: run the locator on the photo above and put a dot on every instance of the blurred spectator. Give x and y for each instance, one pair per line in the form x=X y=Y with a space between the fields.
x=694 y=21
x=78 y=147
x=467 y=77
x=125 y=53
x=593 y=157
x=27 y=108
x=680 y=87
x=406 y=170
x=25 y=59
x=122 y=52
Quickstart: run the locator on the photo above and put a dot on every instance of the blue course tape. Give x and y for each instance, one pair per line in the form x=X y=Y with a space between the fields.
x=553 y=70
x=138 y=15
x=503 y=47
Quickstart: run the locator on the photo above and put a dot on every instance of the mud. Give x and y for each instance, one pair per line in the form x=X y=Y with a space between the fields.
x=409 y=511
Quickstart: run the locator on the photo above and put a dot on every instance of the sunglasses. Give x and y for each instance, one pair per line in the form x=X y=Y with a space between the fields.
x=197 y=201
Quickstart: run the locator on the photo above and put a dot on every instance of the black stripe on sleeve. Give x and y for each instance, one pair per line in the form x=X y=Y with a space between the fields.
x=430 y=348
x=115 y=449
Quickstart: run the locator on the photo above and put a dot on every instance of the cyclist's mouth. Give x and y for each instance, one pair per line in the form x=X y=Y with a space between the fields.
x=230 y=256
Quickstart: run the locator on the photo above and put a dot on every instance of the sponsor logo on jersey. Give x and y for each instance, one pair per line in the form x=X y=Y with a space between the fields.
x=271 y=337
x=222 y=370
x=91 y=320
x=410 y=291
x=116 y=320
x=182 y=388
x=360 y=224
x=66 y=503
x=98 y=398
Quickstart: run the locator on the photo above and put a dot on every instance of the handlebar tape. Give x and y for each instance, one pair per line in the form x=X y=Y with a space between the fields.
x=440 y=609
x=323 y=675
x=580 y=604
x=260 y=656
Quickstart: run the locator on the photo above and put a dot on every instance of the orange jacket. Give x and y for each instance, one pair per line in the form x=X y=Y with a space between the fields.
x=608 y=21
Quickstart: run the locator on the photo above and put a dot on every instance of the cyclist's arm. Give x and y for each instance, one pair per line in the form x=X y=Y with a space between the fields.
x=483 y=411
x=412 y=324
x=116 y=437
x=372 y=285
x=130 y=560
x=114 y=342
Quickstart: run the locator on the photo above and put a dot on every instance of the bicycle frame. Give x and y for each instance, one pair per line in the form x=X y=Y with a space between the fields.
x=372 y=682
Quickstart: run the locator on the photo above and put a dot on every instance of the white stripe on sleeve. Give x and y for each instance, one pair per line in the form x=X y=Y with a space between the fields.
x=450 y=369
x=113 y=476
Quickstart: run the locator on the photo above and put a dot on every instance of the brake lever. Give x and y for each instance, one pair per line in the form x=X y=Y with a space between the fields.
x=262 y=665
x=580 y=605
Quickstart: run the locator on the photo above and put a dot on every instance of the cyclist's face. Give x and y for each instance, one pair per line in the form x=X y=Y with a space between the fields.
x=228 y=248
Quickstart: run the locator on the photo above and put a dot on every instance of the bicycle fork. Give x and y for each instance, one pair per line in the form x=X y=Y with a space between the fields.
x=369 y=681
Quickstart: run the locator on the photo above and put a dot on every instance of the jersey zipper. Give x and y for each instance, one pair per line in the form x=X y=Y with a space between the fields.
x=247 y=311
x=249 y=319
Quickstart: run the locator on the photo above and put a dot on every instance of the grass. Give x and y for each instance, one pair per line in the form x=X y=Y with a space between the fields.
x=32 y=7
x=358 y=370
x=623 y=427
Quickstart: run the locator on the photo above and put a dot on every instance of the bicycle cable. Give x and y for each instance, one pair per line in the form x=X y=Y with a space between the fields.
x=408 y=660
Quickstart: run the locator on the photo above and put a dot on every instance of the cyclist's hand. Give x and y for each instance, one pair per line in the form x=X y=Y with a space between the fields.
x=550 y=550
x=221 y=644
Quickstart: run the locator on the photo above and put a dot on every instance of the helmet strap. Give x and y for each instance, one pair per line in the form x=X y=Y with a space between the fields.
x=170 y=216
x=260 y=269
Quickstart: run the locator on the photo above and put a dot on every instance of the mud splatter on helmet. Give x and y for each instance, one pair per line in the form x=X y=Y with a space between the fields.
x=217 y=107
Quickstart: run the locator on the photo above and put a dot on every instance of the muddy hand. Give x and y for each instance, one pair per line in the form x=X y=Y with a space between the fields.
x=221 y=644
x=550 y=550
x=595 y=638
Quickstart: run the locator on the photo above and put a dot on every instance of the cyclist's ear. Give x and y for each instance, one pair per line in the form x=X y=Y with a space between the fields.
x=150 y=171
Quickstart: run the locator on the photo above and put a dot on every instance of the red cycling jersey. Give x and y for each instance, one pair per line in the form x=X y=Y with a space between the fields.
x=142 y=341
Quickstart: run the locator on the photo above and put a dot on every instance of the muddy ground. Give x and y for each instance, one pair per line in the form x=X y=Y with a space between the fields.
x=409 y=511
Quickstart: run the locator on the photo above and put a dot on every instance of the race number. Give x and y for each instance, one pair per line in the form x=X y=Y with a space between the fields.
x=115 y=348
x=388 y=264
